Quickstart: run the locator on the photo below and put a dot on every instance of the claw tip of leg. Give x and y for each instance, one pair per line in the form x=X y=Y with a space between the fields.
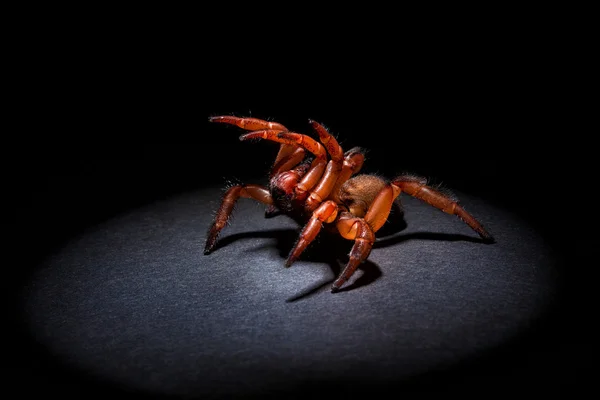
x=208 y=249
x=486 y=237
x=489 y=240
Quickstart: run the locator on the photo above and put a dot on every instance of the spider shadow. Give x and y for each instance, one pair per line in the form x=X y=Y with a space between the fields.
x=390 y=234
x=283 y=235
x=329 y=249
x=334 y=251
x=445 y=237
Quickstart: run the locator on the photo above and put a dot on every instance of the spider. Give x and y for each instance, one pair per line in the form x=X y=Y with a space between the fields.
x=316 y=183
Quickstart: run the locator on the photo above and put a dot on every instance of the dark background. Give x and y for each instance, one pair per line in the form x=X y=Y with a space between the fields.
x=112 y=126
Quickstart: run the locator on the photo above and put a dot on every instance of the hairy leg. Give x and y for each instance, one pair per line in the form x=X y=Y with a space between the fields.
x=325 y=213
x=330 y=143
x=417 y=187
x=254 y=124
x=256 y=192
x=356 y=229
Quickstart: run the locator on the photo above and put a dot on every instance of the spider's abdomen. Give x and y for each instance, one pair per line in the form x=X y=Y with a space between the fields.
x=358 y=193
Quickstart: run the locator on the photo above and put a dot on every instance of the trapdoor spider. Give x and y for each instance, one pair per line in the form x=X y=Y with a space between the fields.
x=315 y=183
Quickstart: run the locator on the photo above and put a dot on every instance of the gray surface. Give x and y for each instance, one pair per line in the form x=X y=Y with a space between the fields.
x=134 y=300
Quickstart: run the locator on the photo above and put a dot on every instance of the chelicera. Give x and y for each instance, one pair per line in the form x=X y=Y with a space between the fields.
x=316 y=183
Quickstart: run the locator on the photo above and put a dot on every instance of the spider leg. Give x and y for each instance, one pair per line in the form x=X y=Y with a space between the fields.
x=285 y=151
x=230 y=197
x=250 y=124
x=417 y=187
x=307 y=143
x=289 y=161
x=379 y=210
x=328 y=179
x=356 y=229
x=326 y=212
x=353 y=162
x=330 y=143
x=311 y=178
x=277 y=135
x=253 y=124
x=362 y=230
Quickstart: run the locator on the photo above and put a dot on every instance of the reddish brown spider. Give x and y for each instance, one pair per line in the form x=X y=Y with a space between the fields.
x=315 y=190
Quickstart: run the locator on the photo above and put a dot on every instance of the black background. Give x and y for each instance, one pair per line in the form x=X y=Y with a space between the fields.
x=110 y=124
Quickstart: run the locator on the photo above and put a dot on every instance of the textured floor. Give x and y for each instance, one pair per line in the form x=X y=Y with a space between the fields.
x=134 y=301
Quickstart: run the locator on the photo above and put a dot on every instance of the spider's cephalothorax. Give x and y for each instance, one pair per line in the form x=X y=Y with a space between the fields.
x=315 y=182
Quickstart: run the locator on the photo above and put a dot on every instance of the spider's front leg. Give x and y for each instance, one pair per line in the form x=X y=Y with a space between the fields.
x=255 y=124
x=249 y=124
x=256 y=192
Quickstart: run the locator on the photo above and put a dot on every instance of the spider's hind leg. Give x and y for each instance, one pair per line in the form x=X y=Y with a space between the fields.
x=417 y=187
x=256 y=192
